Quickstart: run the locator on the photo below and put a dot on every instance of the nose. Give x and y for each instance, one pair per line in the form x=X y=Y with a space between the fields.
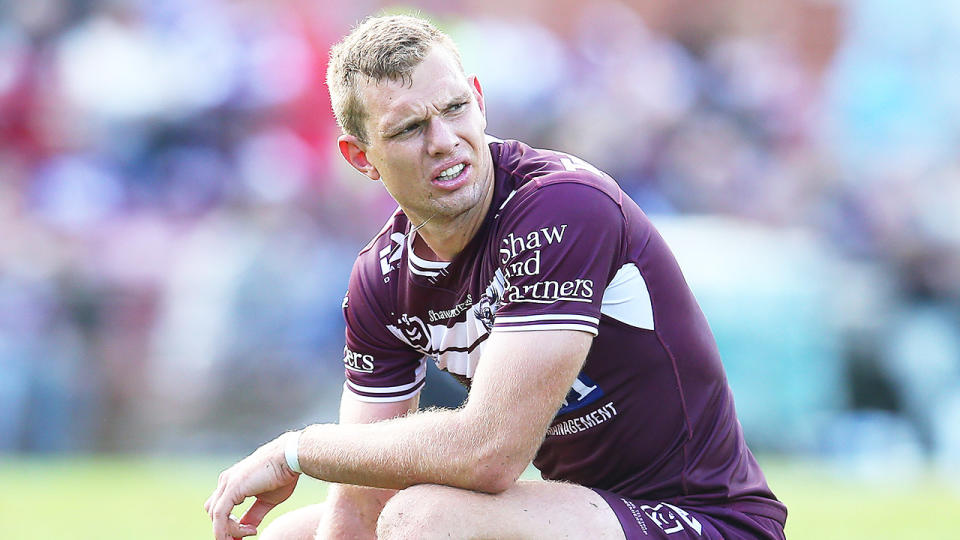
x=441 y=137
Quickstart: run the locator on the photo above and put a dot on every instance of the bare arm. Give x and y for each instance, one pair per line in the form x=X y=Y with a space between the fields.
x=351 y=511
x=484 y=446
x=519 y=385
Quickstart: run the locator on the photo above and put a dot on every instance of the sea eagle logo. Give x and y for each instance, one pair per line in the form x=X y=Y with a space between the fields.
x=486 y=309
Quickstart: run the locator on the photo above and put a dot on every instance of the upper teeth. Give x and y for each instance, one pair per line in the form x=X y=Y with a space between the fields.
x=452 y=171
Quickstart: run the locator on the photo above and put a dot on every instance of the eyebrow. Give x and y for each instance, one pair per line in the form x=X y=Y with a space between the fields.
x=459 y=98
x=393 y=128
x=396 y=127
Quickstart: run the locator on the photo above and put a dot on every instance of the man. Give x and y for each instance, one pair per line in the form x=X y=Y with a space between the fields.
x=533 y=279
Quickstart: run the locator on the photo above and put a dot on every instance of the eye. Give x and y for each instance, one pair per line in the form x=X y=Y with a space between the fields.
x=456 y=107
x=407 y=130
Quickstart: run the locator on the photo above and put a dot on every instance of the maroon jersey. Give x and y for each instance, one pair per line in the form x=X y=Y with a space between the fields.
x=650 y=416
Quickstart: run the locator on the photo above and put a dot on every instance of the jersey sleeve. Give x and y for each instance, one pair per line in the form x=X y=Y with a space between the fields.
x=379 y=367
x=557 y=249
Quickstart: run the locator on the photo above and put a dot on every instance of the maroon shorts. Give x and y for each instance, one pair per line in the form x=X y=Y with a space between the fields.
x=657 y=519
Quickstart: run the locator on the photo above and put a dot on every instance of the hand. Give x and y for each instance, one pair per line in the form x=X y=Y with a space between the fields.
x=263 y=474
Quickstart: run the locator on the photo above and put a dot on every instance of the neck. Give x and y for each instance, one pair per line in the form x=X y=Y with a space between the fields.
x=446 y=237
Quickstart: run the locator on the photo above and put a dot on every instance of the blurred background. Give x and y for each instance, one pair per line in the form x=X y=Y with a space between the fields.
x=177 y=227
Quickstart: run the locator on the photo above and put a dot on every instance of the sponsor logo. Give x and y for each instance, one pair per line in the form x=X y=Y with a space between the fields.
x=435 y=316
x=548 y=292
x=390 y=254
x=585 y=422
x=354 y=361
x=520 y=256
x=534 y=240
x=671 y=518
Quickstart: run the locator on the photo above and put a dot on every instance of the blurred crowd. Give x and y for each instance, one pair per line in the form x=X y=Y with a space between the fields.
x=176 y=227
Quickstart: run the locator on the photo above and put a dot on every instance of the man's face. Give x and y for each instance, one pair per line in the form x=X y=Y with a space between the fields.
x=426 y=140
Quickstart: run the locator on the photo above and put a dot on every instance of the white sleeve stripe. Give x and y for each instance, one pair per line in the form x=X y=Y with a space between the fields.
x=551 y=300
x=526 y=327
x=552 y=317
x=383 y=390
x=419 y=375
x=389 y=399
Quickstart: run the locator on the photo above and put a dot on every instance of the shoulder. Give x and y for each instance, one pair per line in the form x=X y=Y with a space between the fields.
x=378 y=260
x=548 y=183
x=530 y=171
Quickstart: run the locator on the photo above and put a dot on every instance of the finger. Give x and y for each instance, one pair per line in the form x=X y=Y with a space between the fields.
x=221 y=515
x=255 y=514
x=208 y=503
x=235 y=529
x=212 y=500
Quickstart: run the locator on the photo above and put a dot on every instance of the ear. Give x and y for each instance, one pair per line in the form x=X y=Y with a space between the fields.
x=478 y=93
x=354 y=151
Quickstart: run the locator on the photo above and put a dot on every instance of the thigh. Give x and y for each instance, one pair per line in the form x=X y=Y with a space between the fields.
x=530 y=509
x=661 y=520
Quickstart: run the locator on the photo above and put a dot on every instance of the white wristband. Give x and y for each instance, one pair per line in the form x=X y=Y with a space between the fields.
x=291 y=450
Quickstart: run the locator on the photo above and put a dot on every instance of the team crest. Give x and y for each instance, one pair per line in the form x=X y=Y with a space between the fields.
x=671 y=518
x=414 y=332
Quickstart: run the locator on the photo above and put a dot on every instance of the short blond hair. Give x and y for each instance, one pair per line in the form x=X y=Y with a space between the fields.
x=386 y=47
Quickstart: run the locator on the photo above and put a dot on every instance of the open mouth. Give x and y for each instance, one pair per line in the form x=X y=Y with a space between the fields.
x=452 y=177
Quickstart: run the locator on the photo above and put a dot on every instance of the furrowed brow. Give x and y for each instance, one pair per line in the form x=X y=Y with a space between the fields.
x=458 y=99
x=392 y=128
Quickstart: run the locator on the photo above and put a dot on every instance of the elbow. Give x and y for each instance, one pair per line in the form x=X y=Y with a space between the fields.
x=496 y=453
x=496 y=470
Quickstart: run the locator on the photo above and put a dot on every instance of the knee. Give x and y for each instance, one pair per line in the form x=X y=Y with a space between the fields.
x=276 y=530
x=415 y=512
x=299 y=524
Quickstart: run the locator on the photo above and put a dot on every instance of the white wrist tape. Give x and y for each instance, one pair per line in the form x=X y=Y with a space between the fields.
x=291 y=450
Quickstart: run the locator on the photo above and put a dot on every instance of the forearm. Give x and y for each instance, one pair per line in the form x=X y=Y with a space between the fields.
x=447 y=447
x=483 y=446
